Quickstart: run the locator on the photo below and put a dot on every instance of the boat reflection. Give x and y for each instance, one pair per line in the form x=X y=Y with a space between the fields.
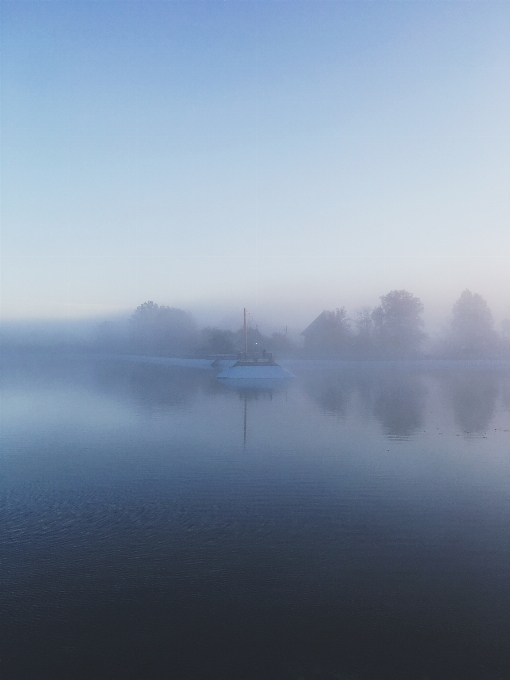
x=253 y=389
x=256 y=385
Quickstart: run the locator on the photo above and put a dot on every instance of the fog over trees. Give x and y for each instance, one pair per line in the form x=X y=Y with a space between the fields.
x=472 y=332
x=394 y=329
x=398 y=324
x=158 y=329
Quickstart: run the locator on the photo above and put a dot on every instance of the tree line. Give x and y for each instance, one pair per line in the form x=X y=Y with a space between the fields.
x=395 y=330
x=168 y=331
x=392 y=330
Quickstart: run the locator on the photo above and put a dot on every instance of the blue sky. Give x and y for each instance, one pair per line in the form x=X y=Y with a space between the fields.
x=284 y=156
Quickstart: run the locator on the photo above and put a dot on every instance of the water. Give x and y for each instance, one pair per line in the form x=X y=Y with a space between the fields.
x=158 y=524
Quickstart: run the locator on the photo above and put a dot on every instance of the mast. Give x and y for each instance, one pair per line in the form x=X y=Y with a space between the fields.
x=245 y=335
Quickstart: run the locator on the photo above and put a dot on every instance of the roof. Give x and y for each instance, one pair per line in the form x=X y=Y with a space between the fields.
x=324 y=319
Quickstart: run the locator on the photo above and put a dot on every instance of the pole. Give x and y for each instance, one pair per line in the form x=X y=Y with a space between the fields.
x=245 y=420
x=245 y=336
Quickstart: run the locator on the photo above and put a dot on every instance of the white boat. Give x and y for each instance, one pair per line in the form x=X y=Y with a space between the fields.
x=243 y=371
x=253 y=366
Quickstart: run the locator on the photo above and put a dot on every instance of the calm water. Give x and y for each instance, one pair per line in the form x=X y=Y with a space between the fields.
x=159 y=524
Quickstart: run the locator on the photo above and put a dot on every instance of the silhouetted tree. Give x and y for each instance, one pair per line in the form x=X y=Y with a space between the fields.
x=280 y=343
x=217 y=341
x=160 y=329
x=398 y=324
x=256 y=341
x=505 y=329
x=505 y=337
x=472 y=331
x=363 y=340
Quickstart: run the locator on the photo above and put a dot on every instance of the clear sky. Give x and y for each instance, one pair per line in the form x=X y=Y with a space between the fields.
x=283 y=156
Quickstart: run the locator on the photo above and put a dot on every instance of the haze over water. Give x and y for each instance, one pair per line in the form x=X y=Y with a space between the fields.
x=341 y=170
x=350 y=524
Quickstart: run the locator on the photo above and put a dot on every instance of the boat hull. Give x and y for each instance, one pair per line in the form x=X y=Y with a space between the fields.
x=255 y=372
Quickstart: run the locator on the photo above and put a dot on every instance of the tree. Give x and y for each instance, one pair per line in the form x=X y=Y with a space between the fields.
x=398 y=324
x=505 y=337
x=217 y=341
x=505 y=329
x=472 y=331
x=160 y=329
x=256 y=341
x=280 y=343
x=363 y=341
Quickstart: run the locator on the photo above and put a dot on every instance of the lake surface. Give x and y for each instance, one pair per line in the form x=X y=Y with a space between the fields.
x=156 y=523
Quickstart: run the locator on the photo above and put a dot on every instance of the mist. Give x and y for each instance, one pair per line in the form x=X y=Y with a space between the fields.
x=255 y=340
x=393 y=329
x=287 y=158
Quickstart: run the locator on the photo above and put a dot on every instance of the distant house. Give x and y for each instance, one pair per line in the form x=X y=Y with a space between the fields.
x=328 y=333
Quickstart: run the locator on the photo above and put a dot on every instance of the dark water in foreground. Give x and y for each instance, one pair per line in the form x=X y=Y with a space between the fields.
x=158 y=524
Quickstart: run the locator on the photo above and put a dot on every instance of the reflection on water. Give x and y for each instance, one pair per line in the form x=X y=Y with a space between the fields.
x=390 y=393
x=399 y=403
x=158 y=523
x=253 y=392
x=397 y=395
x=330 y=384
x=474 y=394
x=152 y=386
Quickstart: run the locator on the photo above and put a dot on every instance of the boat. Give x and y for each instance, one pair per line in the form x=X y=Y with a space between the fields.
x=254 y=366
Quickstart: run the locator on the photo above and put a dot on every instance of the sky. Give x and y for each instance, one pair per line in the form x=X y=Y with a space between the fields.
x=283 y=156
